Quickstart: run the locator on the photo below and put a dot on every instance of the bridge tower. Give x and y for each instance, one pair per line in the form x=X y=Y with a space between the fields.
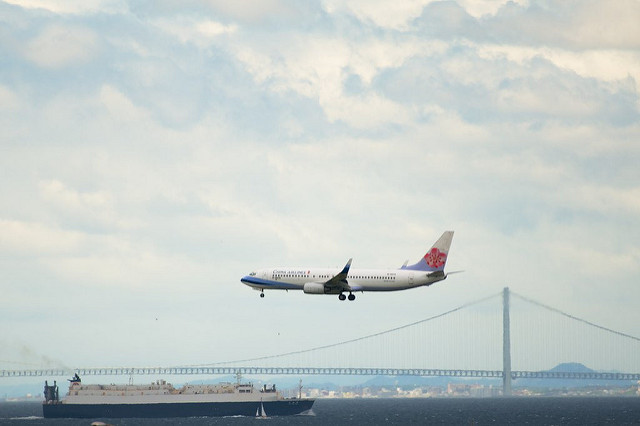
x=506 y=344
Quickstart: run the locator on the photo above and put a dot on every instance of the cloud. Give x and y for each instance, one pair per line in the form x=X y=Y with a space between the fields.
x=318 y=68
x=72 y=7
x=568 y=24
x=254 y=12
x=605 y=65
x=36 y=239
x=605 y=199
x=480 y=89
x=9 y=100
x=85 y=210
x=58 y=46
x=485 y=8
x=616 y=24
x=120 y=107
x=202 y=32
x=269 y=13
x=447 y=20
x=378 y=12
x=401 y=17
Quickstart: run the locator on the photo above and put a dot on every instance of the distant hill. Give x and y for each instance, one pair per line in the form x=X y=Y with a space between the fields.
x=570 y=367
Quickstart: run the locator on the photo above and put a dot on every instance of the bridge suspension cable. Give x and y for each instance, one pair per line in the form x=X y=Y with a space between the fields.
x=358 y=339
x=558 y=311
x=544 y=337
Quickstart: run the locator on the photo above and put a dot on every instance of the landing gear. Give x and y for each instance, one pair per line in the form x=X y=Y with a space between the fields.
x=261 y=293
x=343 y=297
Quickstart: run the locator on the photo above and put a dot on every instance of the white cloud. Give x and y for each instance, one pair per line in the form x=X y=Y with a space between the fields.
x=606 y=65
x=9 y=100
x=480 y=8
x=378 y=12
x=399 y=17
x=74 y=7
x=120 y=108
x=267 y=12
x=83 y=208
x=202 y=32
x=58 y=46
x=605 y=24
x=573 y=24
x=316 y=68
x=37 y=239
x=365 y=112
x=610 y=201
x=593 y=254
x=117 y=263
x=535 y=100
x=253 y=12
x=62 y=196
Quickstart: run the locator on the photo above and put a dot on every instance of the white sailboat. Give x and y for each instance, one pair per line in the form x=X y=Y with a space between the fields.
x=260 y=413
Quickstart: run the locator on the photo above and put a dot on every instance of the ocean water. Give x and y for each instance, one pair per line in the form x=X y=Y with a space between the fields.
x=434 y=411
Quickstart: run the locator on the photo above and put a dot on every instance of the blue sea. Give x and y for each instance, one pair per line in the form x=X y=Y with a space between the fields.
x=433 y=411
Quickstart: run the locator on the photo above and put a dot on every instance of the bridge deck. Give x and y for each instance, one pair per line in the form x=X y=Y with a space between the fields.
x=128 y=371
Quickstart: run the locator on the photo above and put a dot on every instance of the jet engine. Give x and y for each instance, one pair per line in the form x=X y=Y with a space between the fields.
x=314 y=288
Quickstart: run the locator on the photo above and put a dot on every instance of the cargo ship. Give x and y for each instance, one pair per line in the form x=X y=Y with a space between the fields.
x=160 y=399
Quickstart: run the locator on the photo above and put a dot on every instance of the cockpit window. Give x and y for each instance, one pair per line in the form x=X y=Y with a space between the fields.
x=253 y=274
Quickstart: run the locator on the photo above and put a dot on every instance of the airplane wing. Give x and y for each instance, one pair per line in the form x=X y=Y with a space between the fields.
x=340 y=282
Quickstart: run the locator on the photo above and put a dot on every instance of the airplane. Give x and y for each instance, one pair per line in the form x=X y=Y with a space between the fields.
x=427 y=271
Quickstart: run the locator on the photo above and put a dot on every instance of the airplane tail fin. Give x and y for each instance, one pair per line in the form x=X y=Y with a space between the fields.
x=436 y=257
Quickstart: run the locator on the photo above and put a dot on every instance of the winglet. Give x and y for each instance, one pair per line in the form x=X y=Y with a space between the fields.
x=340 y=280
x=436 y=257
x=345 y=271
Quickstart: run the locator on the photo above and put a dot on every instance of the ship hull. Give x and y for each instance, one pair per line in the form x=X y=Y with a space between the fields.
x=182 y=409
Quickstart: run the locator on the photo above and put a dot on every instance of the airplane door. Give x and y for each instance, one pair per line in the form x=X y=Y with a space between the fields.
x=410 y=278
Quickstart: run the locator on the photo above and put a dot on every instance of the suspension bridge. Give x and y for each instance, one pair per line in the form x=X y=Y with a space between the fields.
x=516 y=339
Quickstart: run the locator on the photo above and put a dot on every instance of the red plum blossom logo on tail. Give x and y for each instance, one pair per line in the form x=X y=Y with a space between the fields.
x=435 y=258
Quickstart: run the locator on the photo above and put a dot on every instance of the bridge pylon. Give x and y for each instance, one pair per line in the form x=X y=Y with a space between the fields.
x=506 y=344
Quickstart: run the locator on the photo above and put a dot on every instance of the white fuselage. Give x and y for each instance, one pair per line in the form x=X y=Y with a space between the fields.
x=294 y=278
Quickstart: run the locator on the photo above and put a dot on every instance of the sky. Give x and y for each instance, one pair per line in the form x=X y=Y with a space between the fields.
x=153 y=153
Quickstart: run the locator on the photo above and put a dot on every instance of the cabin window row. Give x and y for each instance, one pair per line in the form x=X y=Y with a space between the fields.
x=361 y=277
x=368 y=277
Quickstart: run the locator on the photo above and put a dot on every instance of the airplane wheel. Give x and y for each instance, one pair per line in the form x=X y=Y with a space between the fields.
x=261 y=294
x=342 y=296
x=352 y=297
